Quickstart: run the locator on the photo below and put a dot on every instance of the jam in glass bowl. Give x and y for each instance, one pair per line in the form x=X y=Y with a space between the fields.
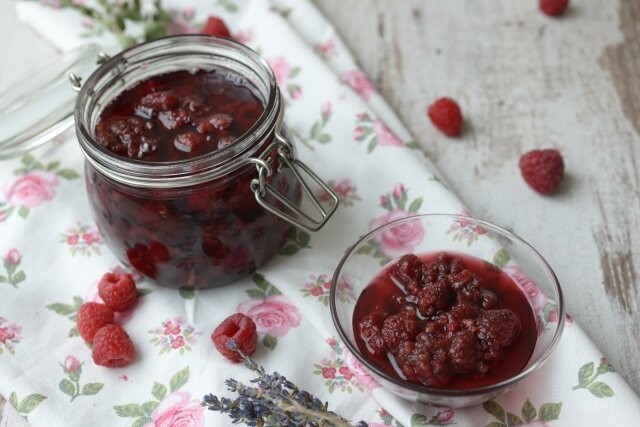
x=458 y=315
x=190 y=170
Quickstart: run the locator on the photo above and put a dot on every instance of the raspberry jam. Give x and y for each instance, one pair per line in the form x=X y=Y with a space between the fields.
x=178 y=115
x=445 y=320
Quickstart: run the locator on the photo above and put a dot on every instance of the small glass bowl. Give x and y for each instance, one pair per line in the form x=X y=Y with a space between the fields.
x=451 y=233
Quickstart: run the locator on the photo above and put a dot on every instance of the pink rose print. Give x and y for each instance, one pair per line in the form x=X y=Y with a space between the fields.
x=319 y=287
x=244 y=36
x=71 y=364
x=329 y=373
x=326 y=110
x=296 y=93
x=316 y=291
x=82 y=239
x=174 y=334
x=400 y=238
x=178 y=410
x=326 y=48
x=361 y=374
x=359 y=82
x=464 y=230
x=340 y=370
x=274 y=315
x=445 y=416
x=398 y=191
x=281 y=69
x=171 y=328
x=9 y=336
x=358 y=133
x=345 y=189
x=385 y=135
x=13 y=257
x=536 y=298
x=32 y=189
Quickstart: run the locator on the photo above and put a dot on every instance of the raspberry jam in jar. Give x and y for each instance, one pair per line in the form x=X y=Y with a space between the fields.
x=190 y=171
x=445 y=320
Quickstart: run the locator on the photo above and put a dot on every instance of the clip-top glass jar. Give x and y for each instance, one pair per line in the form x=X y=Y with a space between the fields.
x=208 y=220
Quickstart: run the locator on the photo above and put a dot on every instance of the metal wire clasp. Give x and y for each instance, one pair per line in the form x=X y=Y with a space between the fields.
x=287 y=159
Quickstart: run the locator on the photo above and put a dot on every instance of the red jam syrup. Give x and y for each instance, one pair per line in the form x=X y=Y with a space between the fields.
x=445 y=320
x=200 y=236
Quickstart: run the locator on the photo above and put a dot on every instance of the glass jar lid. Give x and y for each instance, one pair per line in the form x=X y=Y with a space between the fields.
x=40 y=107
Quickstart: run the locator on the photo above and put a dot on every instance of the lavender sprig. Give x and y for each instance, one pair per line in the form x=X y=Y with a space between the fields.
x=273 y=401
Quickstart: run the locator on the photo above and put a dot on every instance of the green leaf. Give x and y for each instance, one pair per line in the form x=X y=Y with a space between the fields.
x=600 y=389
x=513 y=419
x=53 y=165
x=289 y=250
x=141 y=422
x=159 y=391
x=324 y=138
x=528 y=411
x=13 y=399
x=501 y=258
x=372 y=144
x=23 y=211
x=77 y=301
x=18 y=277
x=419 y=420
x=179 y=379
x=304 y=238
x=73 y=332
x=91 y=388
x=150 y=406
x=62 y=309
x=132 y=410
x=68 y=174
x=261 y=282
x=67 y=387
x=27 y=159
x=187 y=293
x=415 y=205
x=30 y=403
x=256 y=293
x=496 y=424
x=144 y=291
x=550 y=411
x=294 y=72
x=413 y=145
x=494 y=408
x=315 y=129
x=585 y=373
x=37 y=166
x=3 y=279
x=270 y=341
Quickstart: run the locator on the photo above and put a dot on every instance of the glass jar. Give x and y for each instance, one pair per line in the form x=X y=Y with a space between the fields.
x=212 y=219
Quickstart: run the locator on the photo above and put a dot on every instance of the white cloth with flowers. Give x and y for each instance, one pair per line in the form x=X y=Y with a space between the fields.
x=54 y=255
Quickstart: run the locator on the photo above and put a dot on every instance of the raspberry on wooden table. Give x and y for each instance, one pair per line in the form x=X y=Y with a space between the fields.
x=91 y=317
x=445 y=114
x=118 y=291
x=112 y=347
x=553 y=7
x=239 y=328
x=543 y=170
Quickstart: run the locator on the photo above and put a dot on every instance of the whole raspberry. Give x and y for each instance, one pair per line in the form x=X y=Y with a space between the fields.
x=553 y=7
x=118 y=291
x=91 y=317
x=445 y=115
x=543 y=170
x=112 y=347
x=239 y=328
x=215 y=27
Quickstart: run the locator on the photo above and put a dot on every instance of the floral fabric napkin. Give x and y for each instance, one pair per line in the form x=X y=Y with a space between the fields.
x=53 y=256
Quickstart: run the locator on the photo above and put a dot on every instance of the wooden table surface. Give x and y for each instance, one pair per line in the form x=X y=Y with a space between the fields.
x=523 y=81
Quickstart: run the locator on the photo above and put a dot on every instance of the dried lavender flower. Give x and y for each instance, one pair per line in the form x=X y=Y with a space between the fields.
x=273 y=400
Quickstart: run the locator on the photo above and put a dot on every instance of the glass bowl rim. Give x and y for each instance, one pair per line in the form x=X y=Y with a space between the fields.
x=537 y=364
